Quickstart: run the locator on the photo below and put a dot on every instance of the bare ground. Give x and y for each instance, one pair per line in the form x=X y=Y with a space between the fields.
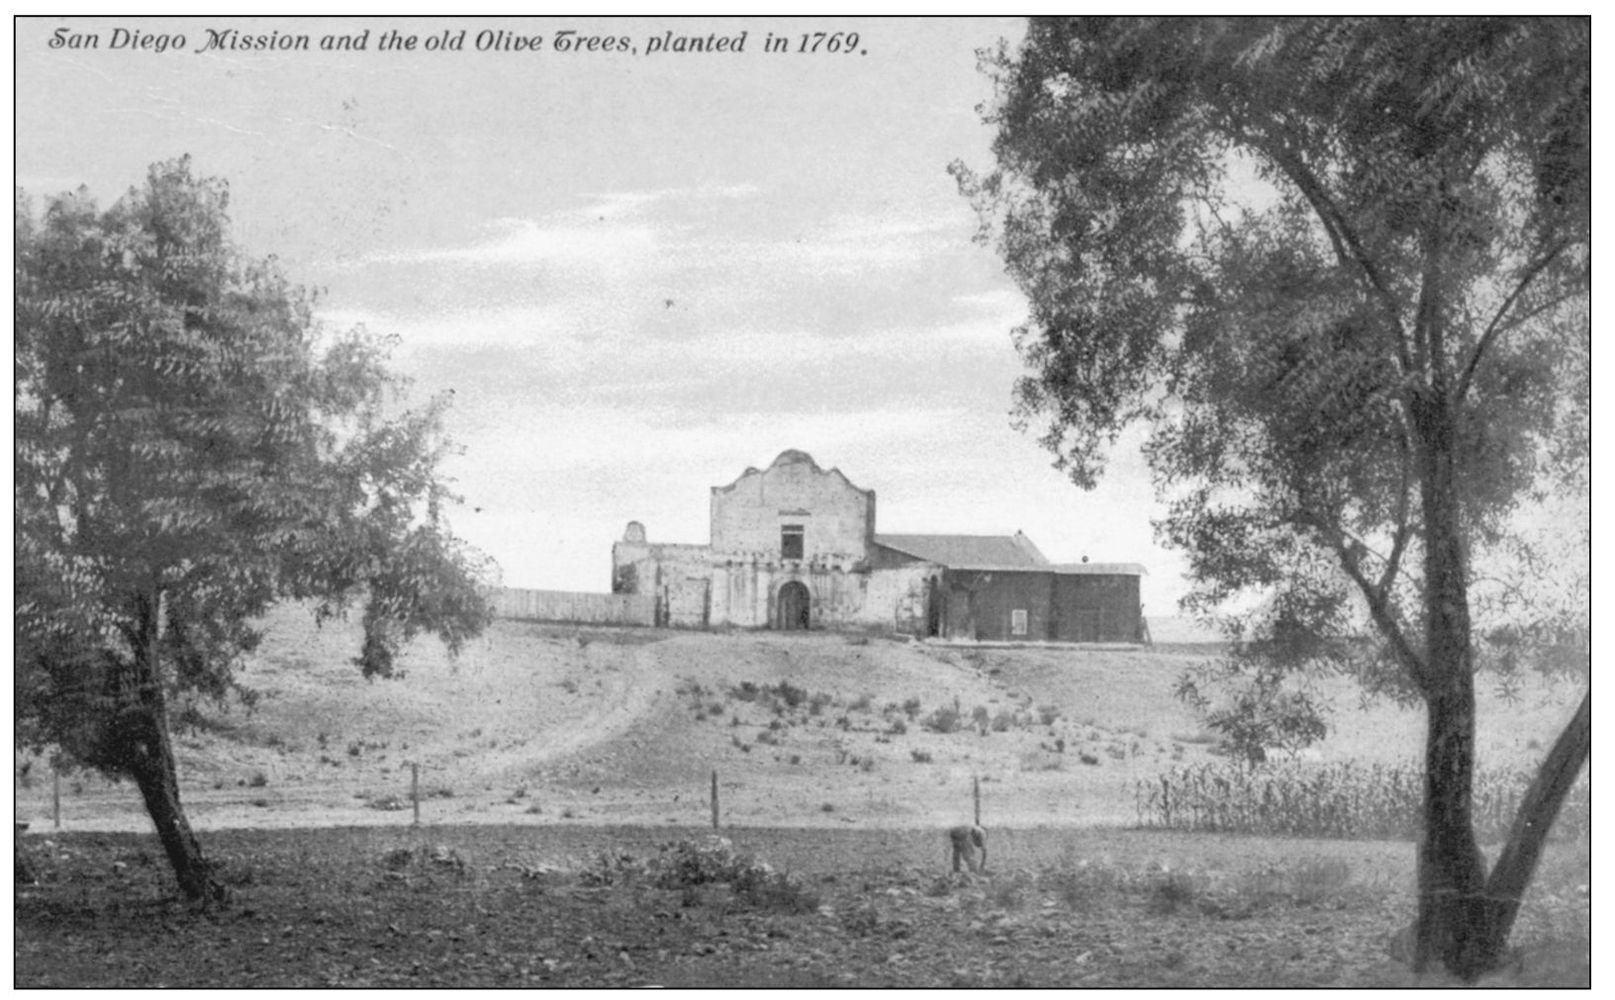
x=544 y=743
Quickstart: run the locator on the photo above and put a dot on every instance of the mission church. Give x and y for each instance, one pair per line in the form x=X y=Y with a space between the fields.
x=794 y=546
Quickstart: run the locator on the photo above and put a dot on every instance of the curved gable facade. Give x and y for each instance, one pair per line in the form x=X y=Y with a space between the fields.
x=759 y=514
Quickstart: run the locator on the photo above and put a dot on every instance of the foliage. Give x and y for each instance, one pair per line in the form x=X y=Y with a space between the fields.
x=1259 y=709
x=945 y=719
x=683 y=864
x=1346 y=800
x=1341 y=268
x=192 y=447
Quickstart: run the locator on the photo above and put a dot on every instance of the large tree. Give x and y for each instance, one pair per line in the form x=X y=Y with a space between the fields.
x=191 y=447
x=1340 y=267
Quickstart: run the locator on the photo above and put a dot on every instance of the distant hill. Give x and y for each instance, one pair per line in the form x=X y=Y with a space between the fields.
x=554 y=723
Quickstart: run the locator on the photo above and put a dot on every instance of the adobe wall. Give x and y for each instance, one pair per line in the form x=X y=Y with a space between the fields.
x=570 y=606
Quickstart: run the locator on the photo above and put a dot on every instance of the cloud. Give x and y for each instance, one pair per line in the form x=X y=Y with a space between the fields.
x=617 y=204
x=524 y=242
x=636 y=236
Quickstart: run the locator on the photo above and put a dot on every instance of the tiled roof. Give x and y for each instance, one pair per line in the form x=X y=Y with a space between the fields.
x=967 y=550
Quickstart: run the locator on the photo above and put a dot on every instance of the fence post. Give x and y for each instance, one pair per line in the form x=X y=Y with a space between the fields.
x=975 y=790
x=714 y=798
x=415 y=790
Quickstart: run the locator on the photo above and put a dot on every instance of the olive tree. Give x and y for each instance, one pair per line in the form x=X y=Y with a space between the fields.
x=1340 y=268
x=191 y=447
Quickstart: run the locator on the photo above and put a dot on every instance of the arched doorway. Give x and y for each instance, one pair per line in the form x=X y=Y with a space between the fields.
x=793 y=607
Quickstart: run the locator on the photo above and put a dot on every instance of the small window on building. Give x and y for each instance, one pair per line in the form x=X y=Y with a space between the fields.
x=790 y=541
x=1017 y=621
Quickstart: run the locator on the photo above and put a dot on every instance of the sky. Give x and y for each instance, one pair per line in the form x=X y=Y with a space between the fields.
x=640 y=273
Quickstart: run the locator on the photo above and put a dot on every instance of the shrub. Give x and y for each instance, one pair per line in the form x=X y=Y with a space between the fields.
x=1088 y=758
x=1170 y=892
x=911 y=707
x=745 y=691
x=1003 y=721
x=861 y=703
x=942 y=720
x=866 y=765
x=979 y=716
x=258 y=780
x=686 y=863
x=920 y=756
x=1047 y=714
x=611 y=867
x=897 y=728
x=791 y=695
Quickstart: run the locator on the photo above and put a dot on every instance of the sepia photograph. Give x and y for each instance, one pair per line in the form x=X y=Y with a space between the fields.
x=802 y=502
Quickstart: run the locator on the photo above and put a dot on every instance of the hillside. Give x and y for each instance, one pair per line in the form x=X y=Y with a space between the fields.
x=549 y=723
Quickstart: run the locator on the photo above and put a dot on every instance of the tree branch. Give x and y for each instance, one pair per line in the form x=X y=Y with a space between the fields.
x=1541 y=805
x=1349 y=554
x=1348 y=245
x=1495 y=327
x=1399 y=537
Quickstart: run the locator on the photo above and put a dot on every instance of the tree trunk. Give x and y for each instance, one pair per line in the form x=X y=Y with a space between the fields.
x=1452 y=871
x=1484 y=947
x=152 y=767
x=142 y=750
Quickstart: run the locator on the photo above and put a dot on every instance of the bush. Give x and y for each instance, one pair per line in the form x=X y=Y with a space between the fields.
x=686 y=863
x=897 y=728
x=1003 y=721
x=791 y=695
x=942 y=720
x=979 y=716
x=911 y=707
x=258 y=780
x=861 y=703
x=1170 y=892
x=920 y=756
x=1047 y=714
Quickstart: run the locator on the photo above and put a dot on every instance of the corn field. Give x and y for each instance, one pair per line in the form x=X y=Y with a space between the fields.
x=1342 y=800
